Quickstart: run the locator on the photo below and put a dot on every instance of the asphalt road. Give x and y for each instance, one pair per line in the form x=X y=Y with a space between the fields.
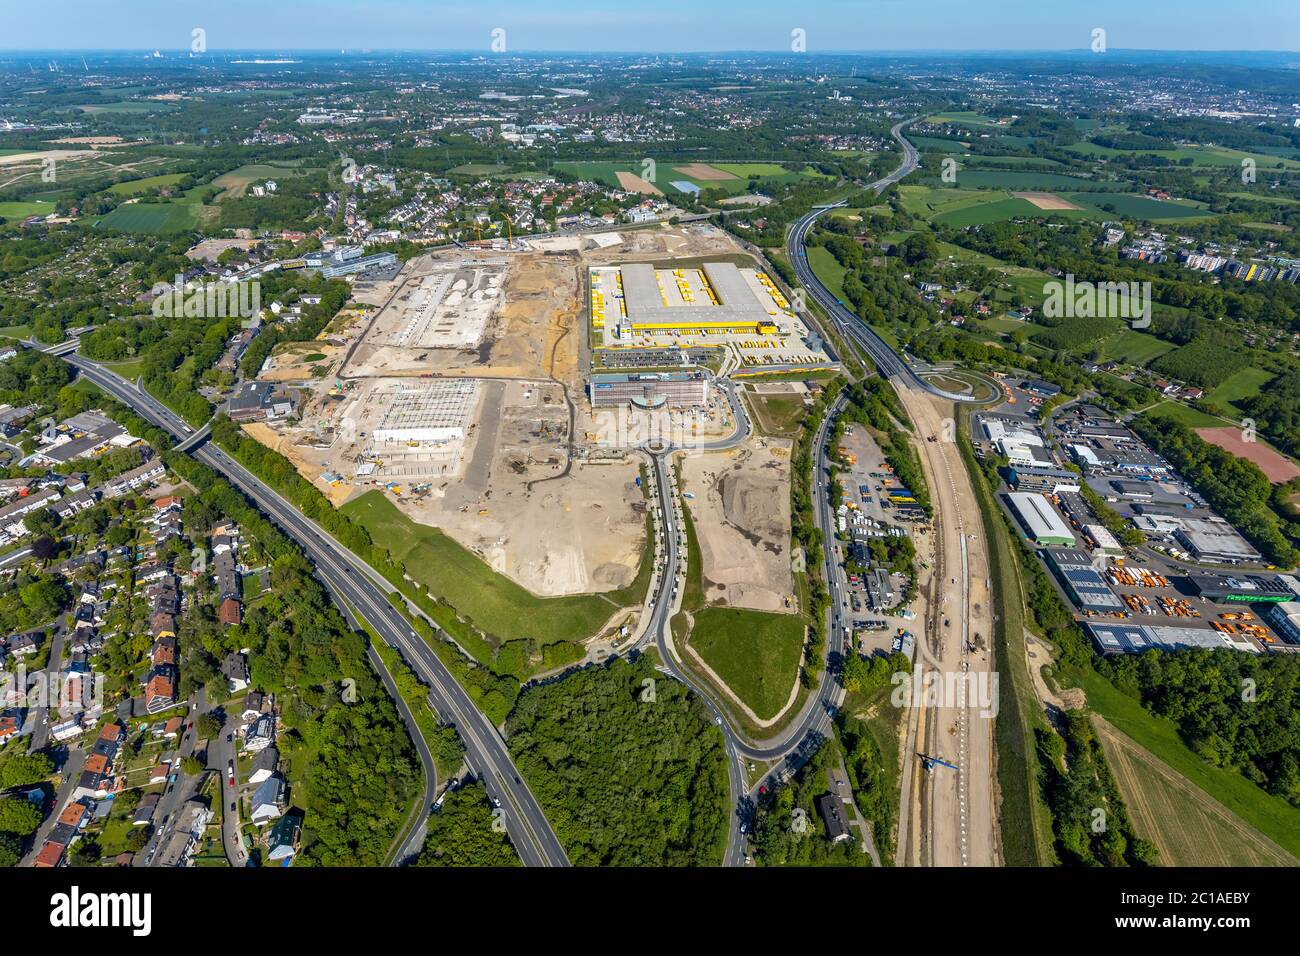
x=356 y=585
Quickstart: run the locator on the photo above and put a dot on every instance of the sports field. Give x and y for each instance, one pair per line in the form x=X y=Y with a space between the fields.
x=1277 y=467
x=21 y=210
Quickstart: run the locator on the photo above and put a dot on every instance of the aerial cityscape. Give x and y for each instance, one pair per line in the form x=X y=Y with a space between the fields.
x=540 y=444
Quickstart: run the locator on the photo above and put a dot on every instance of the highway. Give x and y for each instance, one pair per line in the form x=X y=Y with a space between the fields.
x=357 y=586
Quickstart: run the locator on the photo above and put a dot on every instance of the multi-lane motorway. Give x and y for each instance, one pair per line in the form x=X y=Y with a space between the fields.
x=359 y=588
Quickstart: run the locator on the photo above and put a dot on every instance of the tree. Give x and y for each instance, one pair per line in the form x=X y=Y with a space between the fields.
x=9 y=851
x=19 y=816
x=137 y=838
x=87 y=852
x=207 y=725
x=21 y=770
x=192 y=766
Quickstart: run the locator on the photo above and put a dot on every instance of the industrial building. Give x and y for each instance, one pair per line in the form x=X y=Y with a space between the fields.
x=1101 y=540
x=1050 y=480
x=1285 y=620
x=650 y=389
x=1082 y=582
x=429 y=414
x=1214 y=539
x=1041 y=522
x=717 y=298
x=261 y=401
x=1242 y=589
x=1136 y=638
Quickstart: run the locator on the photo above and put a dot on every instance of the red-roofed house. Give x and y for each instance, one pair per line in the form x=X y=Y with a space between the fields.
x=159 y=693
x=51 y=855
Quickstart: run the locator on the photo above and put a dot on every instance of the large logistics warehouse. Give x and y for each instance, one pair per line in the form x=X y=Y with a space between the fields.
x=1085 y=586
x=1042 y=523
x=718 y=297
x=428 y=414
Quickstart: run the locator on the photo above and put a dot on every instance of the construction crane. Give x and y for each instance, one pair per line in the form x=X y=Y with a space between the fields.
x=929 y=762
x=510 y=230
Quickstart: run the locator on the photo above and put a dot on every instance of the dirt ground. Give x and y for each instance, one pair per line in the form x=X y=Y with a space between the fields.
x=741 y=514
x=1047 y=200
x=633 y=183
x=705 y=172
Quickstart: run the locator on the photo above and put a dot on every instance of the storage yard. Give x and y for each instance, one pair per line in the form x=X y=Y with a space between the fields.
x=1178 y=589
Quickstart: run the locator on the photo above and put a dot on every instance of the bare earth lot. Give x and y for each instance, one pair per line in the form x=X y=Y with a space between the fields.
x=741 y=512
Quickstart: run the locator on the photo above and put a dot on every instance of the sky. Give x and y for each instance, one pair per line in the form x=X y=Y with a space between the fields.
x=649 y=25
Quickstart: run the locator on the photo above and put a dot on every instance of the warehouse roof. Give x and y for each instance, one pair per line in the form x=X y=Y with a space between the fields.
x=1040 y=519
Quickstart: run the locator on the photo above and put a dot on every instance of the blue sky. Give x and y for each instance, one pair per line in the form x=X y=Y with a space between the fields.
x=659 y=25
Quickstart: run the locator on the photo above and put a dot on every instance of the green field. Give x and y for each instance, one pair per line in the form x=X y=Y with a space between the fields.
x=965 y=118
x=1246 y=383
x=996 y=210
x=154 y=217
x=755 y=653
x=1270 y=815
x=828 y=269
x=1021 y=180
x=1134 y=206
x=1134 y=348
x=1191 y=417
x=1198 y=155
x=128 y=106
x=666 y=172
x=234 y=183
x=21 y=210
x=490 y=601
x=135 y=186
x=479 y=169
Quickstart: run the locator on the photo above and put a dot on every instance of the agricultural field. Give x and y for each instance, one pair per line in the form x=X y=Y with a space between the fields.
x=128 y=106
x=135 y=186
x=1134 y=348
x=479 y=169
x=1191 y=417
x=731 y=178
x=965 y=118
x=1029 y=179
x=755 y=653
x=155 y=217
x=1134 y=206
x=1271 y=816
x=1186 y=825
x=1198 y=155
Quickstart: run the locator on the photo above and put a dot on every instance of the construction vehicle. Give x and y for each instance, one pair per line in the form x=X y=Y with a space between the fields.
x=929 y=763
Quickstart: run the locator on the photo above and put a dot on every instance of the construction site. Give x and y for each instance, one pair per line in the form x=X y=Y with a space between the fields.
x=456 y=388
x=739 y=502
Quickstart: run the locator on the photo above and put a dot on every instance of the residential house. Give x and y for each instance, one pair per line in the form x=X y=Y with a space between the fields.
x=284 y=839
x=264 y=765
x=145 y=811
x=235 y=669
x=268 y=801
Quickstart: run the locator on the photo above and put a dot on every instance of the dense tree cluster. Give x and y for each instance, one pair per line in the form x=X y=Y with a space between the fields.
x=465 y=832
x=1089 y=819
x=787 y=829
x=1239 y=711
x=627 y=766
